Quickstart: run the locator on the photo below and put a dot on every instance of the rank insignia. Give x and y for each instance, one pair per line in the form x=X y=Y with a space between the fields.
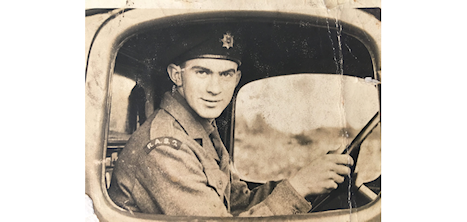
x=227 y=41
x=166 y=141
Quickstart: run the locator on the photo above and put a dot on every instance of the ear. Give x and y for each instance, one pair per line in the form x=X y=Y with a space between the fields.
x=175 y=74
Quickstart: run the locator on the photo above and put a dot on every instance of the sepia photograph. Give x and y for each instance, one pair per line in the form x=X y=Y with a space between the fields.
x=202 y=110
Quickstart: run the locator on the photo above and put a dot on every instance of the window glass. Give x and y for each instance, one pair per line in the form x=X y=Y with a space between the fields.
x=282 y=123
x=121 y=89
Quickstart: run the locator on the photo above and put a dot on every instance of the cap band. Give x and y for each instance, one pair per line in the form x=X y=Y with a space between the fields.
x=210 y=56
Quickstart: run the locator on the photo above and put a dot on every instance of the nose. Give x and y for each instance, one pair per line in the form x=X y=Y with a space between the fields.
x=213 y=85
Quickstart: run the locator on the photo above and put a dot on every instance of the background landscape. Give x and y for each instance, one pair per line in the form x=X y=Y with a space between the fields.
x=263 y=153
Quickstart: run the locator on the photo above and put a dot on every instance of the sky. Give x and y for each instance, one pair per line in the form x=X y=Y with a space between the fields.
x=304 y=102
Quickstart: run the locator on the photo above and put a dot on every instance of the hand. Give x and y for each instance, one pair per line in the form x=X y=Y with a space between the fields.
x=322 y=175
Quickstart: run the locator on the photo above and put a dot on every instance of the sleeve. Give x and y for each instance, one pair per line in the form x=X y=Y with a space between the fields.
x=176 y=181
x=271 y=198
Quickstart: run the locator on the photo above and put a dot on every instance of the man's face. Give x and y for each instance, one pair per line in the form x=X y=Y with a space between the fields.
x=208 y=85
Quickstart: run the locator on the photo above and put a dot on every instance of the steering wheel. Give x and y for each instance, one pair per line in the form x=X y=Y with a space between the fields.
x=353 y=150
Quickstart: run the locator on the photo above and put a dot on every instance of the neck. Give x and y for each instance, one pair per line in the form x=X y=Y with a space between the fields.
x=179 y=90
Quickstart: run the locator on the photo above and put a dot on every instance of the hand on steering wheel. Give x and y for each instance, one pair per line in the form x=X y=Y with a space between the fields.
x=352 y=150
x=322 y=175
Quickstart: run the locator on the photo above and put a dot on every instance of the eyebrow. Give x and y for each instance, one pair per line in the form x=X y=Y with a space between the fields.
x=210 y=71
x=229 y=70
x=202 y=68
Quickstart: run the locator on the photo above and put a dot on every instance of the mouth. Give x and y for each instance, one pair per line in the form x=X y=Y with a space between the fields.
x=211 y=102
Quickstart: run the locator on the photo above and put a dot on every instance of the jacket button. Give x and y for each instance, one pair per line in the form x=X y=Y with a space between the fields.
x=220 y=182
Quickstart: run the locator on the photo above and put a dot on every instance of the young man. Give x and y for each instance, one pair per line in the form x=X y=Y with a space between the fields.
x=176 y=164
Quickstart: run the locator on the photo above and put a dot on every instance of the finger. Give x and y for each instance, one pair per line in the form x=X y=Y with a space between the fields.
x=331 y=185
x=341 y=169
x=336 y=177
x=343 y=159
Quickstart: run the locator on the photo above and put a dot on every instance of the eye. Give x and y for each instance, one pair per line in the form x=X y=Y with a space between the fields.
x=228 y=74
x=201 y=72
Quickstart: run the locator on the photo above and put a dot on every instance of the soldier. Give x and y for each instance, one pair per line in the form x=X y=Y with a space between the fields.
x=176 y=163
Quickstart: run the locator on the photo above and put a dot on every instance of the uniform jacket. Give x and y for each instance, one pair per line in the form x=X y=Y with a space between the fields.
x=170 y=166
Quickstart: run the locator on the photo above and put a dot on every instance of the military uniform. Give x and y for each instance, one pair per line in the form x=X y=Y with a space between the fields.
x=176 y=164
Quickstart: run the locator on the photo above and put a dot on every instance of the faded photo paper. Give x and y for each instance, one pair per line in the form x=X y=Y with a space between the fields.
x=233 y=110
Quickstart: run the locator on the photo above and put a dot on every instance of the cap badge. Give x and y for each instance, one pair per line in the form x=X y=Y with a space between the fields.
x=227 y=40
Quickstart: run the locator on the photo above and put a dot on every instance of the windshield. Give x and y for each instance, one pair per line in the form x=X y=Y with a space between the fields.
x=282 y=123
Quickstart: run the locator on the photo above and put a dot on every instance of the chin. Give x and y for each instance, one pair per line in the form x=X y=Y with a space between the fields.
x=213 y=116
x=210 y=114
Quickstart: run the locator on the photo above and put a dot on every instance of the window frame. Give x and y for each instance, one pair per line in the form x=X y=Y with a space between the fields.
x=100 y=64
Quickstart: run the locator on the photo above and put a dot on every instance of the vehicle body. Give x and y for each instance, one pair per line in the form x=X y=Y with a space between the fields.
x=117 y=45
